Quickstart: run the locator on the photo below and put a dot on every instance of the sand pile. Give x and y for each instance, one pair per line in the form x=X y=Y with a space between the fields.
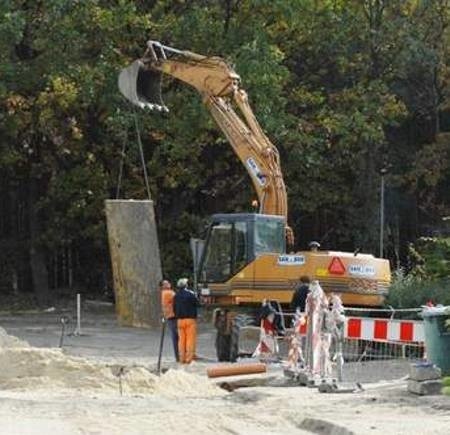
x=178 y=383
x=24 y=368
x=7 y=341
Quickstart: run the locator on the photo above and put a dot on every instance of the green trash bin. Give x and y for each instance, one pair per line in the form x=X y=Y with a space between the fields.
x=437 y=337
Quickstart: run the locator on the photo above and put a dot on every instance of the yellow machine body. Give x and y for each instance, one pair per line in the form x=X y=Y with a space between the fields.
x=361 y=280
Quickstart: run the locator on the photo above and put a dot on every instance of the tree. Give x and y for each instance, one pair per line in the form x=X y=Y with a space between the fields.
x=342 y=87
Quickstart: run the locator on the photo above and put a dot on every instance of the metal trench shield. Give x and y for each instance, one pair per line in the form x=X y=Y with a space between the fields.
x=136 y=264
x=142 y=86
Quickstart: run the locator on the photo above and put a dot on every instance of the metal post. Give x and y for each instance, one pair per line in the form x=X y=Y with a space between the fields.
x=78 y=330
x=339 y=337
x=382 y=173
x=340 y=360
x=309 y=339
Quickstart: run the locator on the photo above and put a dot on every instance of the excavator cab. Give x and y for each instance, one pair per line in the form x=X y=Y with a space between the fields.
x=234 y=240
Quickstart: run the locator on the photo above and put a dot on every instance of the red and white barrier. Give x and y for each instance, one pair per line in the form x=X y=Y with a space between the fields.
x=405 y=333
x=366 y=328
x=362 y=328
x=267 y=342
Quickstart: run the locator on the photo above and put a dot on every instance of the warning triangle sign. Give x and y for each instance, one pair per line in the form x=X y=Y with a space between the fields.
x=336 y=266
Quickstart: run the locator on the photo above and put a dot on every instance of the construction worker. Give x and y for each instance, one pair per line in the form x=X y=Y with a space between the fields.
x=186 y=304
x=314 y=246
x=301 y=292
x=167 y=305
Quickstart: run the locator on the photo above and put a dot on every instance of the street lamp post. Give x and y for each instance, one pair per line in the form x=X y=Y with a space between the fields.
x=382 y=173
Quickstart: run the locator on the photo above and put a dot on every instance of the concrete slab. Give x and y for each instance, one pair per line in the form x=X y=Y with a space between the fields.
x=424 y=372
x=425 y=388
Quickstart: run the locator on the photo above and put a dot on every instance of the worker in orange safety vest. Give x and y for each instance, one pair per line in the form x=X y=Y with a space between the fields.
x=186 y=304
x=167 y=305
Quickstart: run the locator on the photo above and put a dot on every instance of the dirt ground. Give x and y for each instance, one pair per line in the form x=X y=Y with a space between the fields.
x=78 y=390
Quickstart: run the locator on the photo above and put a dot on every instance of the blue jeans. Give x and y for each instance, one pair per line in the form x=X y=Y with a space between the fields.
x=173 y=328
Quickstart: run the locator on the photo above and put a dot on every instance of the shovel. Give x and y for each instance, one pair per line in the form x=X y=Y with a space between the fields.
x=142 y=86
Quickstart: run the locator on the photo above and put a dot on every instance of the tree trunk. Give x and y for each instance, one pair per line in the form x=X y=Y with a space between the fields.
x=136 y=263
x=37 y=254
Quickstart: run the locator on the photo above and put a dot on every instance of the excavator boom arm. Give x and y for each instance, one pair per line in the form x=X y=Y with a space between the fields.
x=219 y=86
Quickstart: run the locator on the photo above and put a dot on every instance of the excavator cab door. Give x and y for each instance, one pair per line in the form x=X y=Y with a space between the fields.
x=142 y=86
x=234 y=240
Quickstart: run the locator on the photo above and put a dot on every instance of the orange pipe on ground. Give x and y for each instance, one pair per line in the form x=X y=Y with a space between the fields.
x=236 y=369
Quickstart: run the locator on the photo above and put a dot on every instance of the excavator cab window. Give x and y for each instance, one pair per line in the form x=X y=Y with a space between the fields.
x=227 y=251
x=269 y=236
x=236 y=239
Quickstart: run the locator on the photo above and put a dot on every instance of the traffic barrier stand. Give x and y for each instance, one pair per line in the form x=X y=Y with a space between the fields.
x=295 y=359
x=323 y=326
x=359 y=349
x=336 y=330
x=324 y=343
x=267 y=347
x=308 y=359
x=317 y=337
x=338 y=352
x=378 y=348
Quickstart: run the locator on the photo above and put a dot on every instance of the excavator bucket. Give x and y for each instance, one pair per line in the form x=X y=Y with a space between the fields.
x=142 y=86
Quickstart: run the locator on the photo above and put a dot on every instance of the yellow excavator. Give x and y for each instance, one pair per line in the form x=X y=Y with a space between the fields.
x=245 y=260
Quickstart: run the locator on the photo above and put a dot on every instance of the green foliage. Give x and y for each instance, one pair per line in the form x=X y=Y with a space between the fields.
x=341 y=87
x=446 y=386
x=410 y=291
x=435 y=252
x=429 y=277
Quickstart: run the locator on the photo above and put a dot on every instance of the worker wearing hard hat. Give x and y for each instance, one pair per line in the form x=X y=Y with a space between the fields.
x=314 y=246
x=167 y=305
x=186 y=304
